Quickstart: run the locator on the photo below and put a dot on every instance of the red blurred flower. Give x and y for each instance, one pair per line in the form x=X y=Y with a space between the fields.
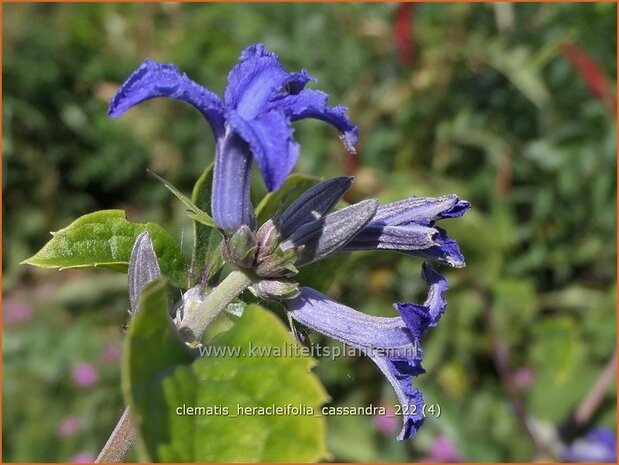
x=402 y=30
x=592 y=73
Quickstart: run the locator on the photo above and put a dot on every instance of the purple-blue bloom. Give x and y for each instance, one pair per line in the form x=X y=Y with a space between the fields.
x=599 y=445
x=253 y=121
x=393 y=344
x=408 y=227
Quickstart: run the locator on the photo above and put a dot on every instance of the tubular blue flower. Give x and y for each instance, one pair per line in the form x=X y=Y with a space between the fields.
x=307 y=231
x=408 y=227
x=253 y=121
x=393 y=344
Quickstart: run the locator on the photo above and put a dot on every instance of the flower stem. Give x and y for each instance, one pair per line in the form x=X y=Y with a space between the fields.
x=192 y=328
x=195 y=323
x=118 y=445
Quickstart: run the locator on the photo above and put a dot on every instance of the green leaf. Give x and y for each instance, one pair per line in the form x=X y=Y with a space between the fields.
x=159 y=379
x=206 y=253
x=276 y=202
x=515 y=305
x=518 y=66
x=563 y=373
x=104 y=239
x=152 y=351
x=195 y=213
x=320 y=275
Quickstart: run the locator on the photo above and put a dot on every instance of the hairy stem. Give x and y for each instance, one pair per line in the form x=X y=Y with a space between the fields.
x=118 y=445
x=192 y=328
x=195 y=323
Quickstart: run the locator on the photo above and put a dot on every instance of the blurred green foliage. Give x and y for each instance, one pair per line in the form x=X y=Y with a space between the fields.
x=497 y=115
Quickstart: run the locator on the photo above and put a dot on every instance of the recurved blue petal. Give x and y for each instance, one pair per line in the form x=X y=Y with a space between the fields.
x=408 y=227
x=421 y=210
x=393 y=343
x=153 y=79
x=270 y=139
x=256 y=79
x=314 y=104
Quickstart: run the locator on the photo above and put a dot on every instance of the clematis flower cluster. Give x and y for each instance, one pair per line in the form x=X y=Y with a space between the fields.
x=253 y=122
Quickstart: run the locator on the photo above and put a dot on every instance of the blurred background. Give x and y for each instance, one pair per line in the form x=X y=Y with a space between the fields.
x=512 y=107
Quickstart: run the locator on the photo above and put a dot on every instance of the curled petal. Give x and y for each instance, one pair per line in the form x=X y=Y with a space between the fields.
x=143 y=268
x=419 y=318
x=230 y=202
x=270 y=138
x=408 y=227
x=256 y=79
x=256 y=51
x=296 y=82
x=393 y=344
x=445 y=250
x=418 y=241
x=313 y=104
x=313 y=204
x=421 y=210
x=323 y=237
x=153 y=79
x=410 y=398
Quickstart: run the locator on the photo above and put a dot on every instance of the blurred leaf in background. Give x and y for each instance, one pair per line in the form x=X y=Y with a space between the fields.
x=508 y=106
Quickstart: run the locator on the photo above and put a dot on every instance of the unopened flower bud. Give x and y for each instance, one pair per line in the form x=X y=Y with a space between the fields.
x=240 y=248
x=277 y=289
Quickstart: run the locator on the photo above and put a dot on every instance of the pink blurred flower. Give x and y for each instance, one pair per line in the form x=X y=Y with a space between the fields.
x=443 y=450
x=69 y=426
x=83 y=457
x=15 y=313
x=387 y=424
x=85 y=375
x=111 y=353
x=523 y=377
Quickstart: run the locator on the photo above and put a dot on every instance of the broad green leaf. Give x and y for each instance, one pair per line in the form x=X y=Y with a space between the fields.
x=104 y=239
x=195 y=213
x=276 y=202
x=206 y=254
x=320 y=275
x=218 y=382
x=152 y=351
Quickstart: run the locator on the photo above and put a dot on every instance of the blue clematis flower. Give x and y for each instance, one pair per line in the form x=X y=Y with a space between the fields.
x=253 y=121
x=408 y=227
x=393 y=344
x=307 y=231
